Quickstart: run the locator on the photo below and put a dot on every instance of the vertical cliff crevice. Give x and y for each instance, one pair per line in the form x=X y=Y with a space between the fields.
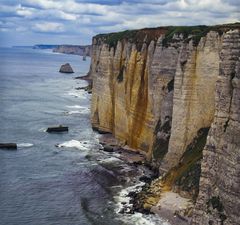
x=141 y=102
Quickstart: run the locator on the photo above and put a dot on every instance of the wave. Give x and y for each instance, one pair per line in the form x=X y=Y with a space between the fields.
x=43 y=129
x=73 y=112
x=79 y=109
x=136 y=218
x=83 y=111
x=24 y=145
x=110 y=159
x=75 y=144
x=75 y=106
x=142 y=219
x=77 y=94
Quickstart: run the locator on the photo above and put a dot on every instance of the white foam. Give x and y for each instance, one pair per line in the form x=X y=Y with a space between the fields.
x=141 y=219
x=136 y=218
x=75 y=144
x=83 y=111
x=123 y=195
x=77 y=94
x=73 y=112
x=24 y=145
x=110 y=159
x=75 y=107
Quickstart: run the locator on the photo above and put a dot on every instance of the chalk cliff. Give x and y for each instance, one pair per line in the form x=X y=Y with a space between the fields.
x=219 y=197
x=82 y=50
x=160 y=90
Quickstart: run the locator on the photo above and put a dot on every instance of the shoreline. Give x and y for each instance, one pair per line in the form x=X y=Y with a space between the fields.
x=171 y=206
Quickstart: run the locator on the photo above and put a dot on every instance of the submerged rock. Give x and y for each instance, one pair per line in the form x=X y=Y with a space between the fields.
x=66 y=68
x=145 y=179
x=108 y=148
x=57 y=129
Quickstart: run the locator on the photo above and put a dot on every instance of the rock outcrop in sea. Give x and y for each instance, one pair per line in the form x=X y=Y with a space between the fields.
x=66 y=68
x=174 y=93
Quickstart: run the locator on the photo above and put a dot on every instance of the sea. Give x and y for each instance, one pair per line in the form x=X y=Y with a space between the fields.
x=56 y=178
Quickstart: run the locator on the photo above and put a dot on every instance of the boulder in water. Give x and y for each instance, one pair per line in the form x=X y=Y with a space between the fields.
x=66 y=68
x=8 y=146
x=57 y=129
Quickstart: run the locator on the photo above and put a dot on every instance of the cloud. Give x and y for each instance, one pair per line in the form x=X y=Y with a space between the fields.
x=48 y=27
x=79 y=20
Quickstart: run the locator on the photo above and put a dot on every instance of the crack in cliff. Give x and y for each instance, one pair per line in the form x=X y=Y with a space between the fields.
x=139 y=117
x=233 y=74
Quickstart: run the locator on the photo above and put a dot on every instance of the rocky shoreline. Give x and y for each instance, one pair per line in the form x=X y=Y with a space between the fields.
x=147 y=197
x=144 y=195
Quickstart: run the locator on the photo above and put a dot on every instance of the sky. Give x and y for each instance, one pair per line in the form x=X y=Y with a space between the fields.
x=29 y=22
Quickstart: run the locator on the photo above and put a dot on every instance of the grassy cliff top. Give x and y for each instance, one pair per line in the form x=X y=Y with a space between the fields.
x=149 y=34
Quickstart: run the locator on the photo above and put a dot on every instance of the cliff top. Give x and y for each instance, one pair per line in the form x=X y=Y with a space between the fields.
x=149 y=34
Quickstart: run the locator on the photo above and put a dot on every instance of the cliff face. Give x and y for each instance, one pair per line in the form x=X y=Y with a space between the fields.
x=82 y=50
x=160 y=90
x=219 y=197
x=194 y=89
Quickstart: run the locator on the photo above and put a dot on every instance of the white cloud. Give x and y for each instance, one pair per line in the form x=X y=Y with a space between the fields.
x=71 y=6
x=83 y=18
x=25 y=11
x=67 y=16
x=49 y=27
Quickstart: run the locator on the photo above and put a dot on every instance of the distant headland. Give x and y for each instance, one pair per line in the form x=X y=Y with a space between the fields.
x=82 y=50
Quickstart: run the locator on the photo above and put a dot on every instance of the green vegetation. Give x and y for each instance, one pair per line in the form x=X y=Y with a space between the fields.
x=187 y=174
x=160 y=146
x=113 y=38
x=197 y=32
x=194 y=33
x=215 y=203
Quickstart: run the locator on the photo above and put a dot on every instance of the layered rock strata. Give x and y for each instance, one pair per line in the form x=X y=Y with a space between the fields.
x=219 y=197
x=160 y=90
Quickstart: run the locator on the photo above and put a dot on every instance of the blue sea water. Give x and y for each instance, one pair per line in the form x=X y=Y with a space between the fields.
x=41 y=184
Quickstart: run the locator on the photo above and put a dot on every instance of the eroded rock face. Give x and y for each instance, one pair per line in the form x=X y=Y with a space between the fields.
x=219 y=197
x=194 y=90
x=133 y=90
x=139 y=94
x=157 y=97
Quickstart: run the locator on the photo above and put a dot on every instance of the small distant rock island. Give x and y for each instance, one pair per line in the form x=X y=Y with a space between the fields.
x=66 y=68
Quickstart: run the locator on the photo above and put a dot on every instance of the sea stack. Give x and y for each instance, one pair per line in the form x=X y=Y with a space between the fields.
x=66 y=68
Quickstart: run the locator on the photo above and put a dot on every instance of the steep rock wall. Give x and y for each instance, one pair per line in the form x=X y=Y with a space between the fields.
x=218 y=201
x=159 y=92
x=194 y=90
x=130 y=92
x=134 y=85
